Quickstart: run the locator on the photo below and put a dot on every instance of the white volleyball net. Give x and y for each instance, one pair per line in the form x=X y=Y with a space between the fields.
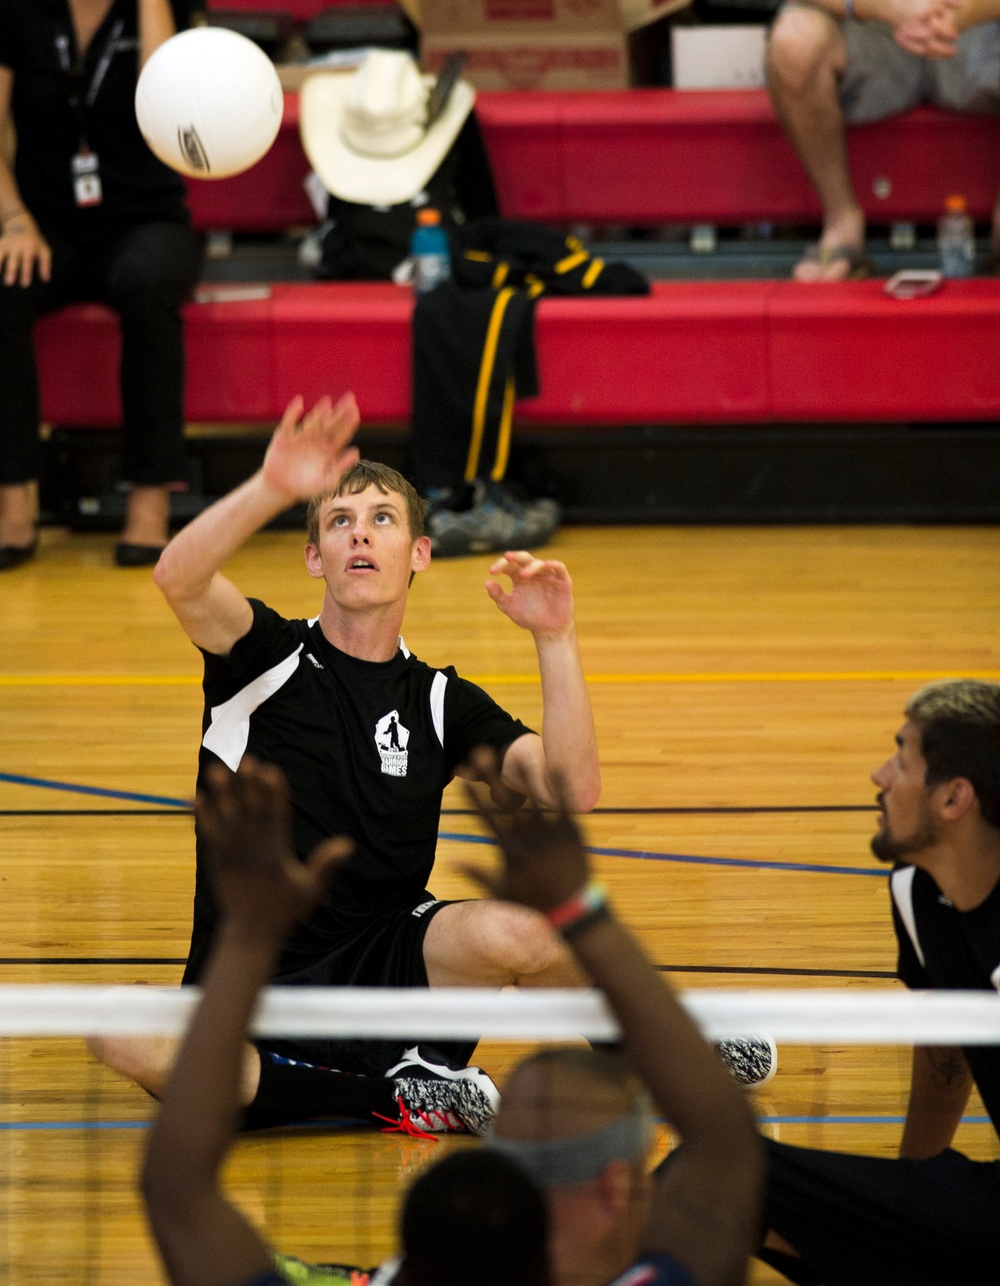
x=72 y=1132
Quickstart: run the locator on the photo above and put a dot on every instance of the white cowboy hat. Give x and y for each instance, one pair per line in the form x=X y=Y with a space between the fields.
x=365 y=134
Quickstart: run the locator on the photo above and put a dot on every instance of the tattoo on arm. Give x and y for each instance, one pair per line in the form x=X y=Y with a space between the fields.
x=949 y=1069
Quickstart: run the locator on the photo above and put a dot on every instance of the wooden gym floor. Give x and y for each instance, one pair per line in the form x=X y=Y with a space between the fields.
x=746 y=681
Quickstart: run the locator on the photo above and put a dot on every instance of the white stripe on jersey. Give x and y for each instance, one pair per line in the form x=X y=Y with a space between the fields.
x=229 y=730
x=438 y=686
x=901 y=883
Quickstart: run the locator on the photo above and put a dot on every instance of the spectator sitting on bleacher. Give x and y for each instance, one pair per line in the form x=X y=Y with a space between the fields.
x=855 y=61
x=87 y=212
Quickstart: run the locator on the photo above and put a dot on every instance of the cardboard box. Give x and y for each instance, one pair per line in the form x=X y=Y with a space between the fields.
x=718 y=57
x=540 y=44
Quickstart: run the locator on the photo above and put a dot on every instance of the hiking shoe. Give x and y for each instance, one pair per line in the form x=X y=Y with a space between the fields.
x=433 y=1106
x=749 y=1062
x=497 y=521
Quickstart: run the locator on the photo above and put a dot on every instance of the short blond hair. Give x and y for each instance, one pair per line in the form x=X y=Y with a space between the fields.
x=359 y=477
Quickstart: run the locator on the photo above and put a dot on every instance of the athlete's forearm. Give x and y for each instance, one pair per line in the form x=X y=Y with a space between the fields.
x=156 y=24
x=569 y=738
x=201 y=1235
x=705 y=1207
x=939 y=1090
x=206 y=544
x=198 y=1114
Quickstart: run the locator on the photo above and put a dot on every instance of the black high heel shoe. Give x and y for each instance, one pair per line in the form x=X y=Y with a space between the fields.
x=12 y=556
x=128 y=555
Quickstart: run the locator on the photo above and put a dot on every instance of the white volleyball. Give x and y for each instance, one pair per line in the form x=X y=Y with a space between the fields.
x=209 y=103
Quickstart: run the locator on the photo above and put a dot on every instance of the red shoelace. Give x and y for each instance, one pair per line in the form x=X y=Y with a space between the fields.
x=406 y=1124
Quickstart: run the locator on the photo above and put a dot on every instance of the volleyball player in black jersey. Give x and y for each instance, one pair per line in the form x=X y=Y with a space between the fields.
x=368 y=737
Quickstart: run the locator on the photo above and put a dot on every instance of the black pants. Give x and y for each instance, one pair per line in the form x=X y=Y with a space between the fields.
x=145 y=274
x=876 y=1221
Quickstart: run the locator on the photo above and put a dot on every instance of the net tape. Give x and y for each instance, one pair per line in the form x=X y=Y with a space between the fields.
x=871 y=1017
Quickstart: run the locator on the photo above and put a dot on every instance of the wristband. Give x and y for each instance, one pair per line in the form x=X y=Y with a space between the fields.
x=592 y=897
x=589 y=918
x=848 y=8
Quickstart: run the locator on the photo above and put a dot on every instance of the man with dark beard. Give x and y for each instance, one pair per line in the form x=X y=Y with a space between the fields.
x=932 y=1216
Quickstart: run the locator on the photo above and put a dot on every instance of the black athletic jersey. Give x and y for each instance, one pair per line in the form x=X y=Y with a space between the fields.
x=367 y=747
x=941 y=948
x=137 y=188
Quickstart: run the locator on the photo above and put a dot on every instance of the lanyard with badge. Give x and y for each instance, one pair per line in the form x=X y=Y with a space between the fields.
x=85 y=167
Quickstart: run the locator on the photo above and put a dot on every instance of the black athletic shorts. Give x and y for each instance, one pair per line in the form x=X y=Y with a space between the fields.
x=387 y=951
x=879 y=1221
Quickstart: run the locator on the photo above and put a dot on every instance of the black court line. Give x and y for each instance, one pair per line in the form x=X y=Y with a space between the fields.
x=709 y=810
x=468 y=812
x=93 y=960
x=96 y=812
x=782 y=973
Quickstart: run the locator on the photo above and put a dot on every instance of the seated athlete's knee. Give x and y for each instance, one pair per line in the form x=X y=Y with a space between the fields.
x=520 y=941
x=801 y=40
x=146 y=1061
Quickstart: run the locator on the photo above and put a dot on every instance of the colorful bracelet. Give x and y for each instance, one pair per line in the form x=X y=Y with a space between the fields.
x=592 y=897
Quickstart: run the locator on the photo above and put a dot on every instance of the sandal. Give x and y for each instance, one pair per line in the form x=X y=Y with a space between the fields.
x=859 y=265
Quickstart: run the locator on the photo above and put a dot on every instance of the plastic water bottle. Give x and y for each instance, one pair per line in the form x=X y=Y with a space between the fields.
x=956 y=238
x=430 y=252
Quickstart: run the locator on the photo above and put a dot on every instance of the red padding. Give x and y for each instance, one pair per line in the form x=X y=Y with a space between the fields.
x=655 y=156
x=662 y=156
x=696 y=352
x=852 y=353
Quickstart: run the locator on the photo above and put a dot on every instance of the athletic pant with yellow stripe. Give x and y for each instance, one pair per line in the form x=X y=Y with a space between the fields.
x=473 y=354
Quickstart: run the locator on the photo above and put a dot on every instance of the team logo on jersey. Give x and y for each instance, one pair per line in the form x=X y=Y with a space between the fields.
x=392 y=738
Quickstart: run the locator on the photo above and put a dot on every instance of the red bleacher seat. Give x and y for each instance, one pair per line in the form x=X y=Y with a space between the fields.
x=657 y=156
x=692 y=352
x=300 y=10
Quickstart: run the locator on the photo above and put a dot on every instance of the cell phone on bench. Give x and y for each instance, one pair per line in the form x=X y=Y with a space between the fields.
x=913 y=283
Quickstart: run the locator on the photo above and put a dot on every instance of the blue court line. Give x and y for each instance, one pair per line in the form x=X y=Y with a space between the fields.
x=101 y=792
x=854 y=1120
x=690 y=859
x=685 y=858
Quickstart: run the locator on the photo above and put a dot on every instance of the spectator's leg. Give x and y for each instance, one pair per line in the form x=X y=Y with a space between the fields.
x=805 y=62
x=20 y=454
x=148 y=274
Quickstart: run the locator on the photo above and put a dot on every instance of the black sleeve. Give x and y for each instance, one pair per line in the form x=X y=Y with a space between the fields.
x=183 y=11
x=472 y=718
x=269 y=640
x=909 y=970
x=8 y=35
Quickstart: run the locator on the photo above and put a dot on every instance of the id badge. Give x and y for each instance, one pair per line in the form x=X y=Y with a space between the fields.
x=87 y=189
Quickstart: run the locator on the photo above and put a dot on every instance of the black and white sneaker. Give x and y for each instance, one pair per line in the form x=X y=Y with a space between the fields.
x=749 y=1062
x=442 y=1098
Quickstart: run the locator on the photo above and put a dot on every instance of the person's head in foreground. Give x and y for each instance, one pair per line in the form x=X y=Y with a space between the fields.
x=473 y=1218
x=575 y=1123
x=581 y=1125
x=366 y=537
x=939 y=794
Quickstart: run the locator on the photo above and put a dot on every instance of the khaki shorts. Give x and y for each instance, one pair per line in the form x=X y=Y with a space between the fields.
x=882 y=79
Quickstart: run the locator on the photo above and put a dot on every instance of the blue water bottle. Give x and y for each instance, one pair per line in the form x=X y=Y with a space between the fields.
x=429 y=249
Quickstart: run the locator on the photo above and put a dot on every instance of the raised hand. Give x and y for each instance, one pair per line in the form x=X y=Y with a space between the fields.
x=544 y=861
x=541 y=593
x=310 y=452
x=245 y=821
x=22 y=249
